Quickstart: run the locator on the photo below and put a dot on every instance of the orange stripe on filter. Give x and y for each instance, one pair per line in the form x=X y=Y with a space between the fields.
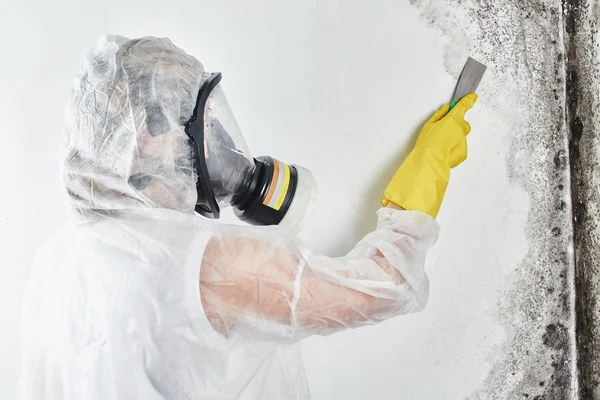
x=273 y=183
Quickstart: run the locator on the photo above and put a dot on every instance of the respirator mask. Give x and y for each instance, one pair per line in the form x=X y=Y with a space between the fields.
x=263 y=190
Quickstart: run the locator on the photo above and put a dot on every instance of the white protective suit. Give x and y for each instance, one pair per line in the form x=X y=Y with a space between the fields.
x=139 y=298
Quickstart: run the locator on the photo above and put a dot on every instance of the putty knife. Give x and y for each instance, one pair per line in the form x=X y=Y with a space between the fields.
x=468 y=81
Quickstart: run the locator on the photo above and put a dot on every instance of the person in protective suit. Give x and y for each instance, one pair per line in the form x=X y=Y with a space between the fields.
x=139 y=297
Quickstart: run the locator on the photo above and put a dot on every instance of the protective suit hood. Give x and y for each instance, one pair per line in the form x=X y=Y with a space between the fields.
x=125 y=146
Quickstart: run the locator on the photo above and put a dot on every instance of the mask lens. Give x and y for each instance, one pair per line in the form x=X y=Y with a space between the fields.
x=220 y=124
x=228 y=159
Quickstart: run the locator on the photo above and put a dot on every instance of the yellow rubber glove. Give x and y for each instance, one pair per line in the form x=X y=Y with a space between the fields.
x=421 y=181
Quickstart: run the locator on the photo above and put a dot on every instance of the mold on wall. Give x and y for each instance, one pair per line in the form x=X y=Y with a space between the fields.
x=583 y=78
x=522 y=43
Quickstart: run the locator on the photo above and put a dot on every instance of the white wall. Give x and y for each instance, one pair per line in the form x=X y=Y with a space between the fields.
x=338 y=87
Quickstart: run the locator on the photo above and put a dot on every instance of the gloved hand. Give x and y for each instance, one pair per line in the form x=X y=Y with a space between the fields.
x=421 y=181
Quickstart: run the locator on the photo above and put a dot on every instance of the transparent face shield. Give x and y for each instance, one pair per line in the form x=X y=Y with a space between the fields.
x=228 y=159
x=263 y=190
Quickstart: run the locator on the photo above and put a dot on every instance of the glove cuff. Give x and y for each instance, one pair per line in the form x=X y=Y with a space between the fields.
x=420 y=183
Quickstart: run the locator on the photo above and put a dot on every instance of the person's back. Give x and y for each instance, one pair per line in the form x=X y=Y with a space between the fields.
x=140 y=298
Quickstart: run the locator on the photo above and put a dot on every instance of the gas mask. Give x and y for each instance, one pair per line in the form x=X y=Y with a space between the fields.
x=263 y=190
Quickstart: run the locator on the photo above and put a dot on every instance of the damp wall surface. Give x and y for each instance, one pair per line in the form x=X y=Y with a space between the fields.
x=342 y=88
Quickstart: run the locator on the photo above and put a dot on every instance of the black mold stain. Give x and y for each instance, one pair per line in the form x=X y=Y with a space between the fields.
x=556 y=336
x=560 y=161
x=582 y=104
x=519 y=40
x=562 y=206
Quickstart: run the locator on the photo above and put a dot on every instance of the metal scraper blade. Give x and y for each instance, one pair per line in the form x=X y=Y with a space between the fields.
x=469 y=79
